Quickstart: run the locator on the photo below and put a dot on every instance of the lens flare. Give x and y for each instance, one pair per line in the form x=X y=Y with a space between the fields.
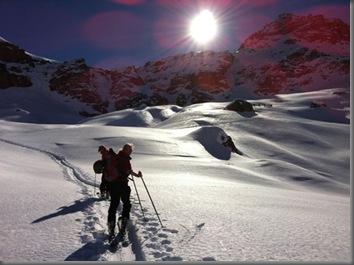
x=203 y=27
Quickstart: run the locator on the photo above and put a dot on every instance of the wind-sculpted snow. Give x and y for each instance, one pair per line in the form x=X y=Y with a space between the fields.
x=148 y=116
x=285 y=196
x=208 y=137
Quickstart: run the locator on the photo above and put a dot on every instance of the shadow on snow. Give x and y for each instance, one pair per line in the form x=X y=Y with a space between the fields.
x=77 y=206
x=92 y=251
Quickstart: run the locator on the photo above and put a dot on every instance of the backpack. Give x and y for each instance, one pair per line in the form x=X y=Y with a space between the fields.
x=98 y=166
x=112 y=172
x=108 y=167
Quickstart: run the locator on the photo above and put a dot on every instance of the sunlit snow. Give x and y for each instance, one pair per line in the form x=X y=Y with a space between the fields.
x=286 y=198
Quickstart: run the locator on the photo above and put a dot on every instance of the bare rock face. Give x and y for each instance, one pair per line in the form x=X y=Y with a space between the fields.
x=9 y=79
x=10 y=75
x=12 y=53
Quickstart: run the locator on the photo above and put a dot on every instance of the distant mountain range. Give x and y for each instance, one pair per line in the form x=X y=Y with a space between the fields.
x=292 y=54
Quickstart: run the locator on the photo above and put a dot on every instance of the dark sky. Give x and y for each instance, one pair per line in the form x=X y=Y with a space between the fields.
x=113 y=33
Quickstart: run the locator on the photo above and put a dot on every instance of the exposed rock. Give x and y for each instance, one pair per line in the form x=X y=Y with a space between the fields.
x=317 y=104
x=8 y=79
x=239 y=105
x=12 y=53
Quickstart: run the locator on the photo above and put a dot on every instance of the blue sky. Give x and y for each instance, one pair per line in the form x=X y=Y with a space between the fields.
x=113 y=33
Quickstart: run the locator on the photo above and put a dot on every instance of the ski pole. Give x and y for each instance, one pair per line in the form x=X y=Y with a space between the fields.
x=151 y=201
x=136 y=190
x=94 y=187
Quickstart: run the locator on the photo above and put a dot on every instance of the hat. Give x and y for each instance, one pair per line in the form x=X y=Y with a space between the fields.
x=101 y=147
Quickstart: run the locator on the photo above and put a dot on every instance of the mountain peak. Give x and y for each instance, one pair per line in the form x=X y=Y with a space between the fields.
x=331 y=36
x=291 y=54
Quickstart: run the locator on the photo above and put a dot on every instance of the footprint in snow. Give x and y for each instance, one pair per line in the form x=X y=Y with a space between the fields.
x=200 y=225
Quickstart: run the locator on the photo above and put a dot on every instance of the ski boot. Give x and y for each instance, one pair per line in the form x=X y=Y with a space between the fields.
x=111 y=230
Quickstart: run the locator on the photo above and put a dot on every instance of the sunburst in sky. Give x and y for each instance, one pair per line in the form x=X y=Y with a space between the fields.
x=116 y=33
x=203 y=27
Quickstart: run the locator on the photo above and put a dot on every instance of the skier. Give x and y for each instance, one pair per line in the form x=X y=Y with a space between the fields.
x=230 y=143
x=105 y=156
x=119 y=188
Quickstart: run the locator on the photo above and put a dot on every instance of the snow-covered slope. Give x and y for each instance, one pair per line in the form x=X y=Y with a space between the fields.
x=286 y=198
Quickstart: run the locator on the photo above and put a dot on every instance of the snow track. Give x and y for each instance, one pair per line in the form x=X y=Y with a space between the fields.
x=93 y=235
x=70 y=171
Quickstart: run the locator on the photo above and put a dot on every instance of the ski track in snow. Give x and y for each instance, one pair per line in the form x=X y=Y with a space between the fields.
x=152 y=238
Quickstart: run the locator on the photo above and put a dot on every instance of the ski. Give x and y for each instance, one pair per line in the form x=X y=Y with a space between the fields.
x=111 y=238
x=113 y=242
x=125 y=240
x=121 y=237
x=123 y=230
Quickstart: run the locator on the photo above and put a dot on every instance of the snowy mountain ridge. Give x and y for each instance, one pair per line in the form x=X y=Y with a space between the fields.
x=291 y=54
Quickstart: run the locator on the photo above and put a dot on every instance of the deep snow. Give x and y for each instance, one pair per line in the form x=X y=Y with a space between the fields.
x=287 y=198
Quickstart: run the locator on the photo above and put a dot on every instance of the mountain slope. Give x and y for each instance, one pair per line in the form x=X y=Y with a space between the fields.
x=291 y=54
x=295 y=54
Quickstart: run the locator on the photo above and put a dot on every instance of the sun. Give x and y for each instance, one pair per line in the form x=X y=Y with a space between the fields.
x=203 y=27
